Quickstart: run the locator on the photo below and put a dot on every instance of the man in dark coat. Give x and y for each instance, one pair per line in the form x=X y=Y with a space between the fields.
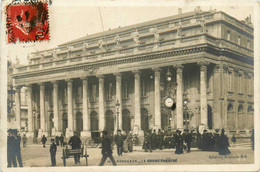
x=24 y=140
x=11 y=159
x=147 y=142
x=53 y=150
x=17 y=148
x=44 y=140
x=119 y=140
x=253 y=139
x=153 y=139
x=179 y=142
x=205 y=140
x=160 y=137
x=187 y=137
x=61 y=140
x=216 y=139
x=75 y=143
x=106 y=150
x=57 y=139
x=198 y=140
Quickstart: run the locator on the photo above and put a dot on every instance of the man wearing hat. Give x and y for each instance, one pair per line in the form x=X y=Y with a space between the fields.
x=106 y=150
x=187 y=137
x=17 y=147
x=216 y=139
x=75 y=143
x=11 y=159
x=119 y=140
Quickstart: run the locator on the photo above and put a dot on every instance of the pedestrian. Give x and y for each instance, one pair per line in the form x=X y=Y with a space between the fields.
x=147 y=142
x=53 y=150
x=61 y=140
x=253 y=139
x=216 y=138
x=154 y=139
x=198 y=140
x=205 y=140
x=17 y=148
x=187 y=139
x=160 y=137
x=179 y=142
x=24 y=140
x=106 y=149
x=119 y=140
x=130 y=141
x=57 y=139
x=44 y=140
x=233 y=140
x=223 y=144
x=75 y=143
x=11 y=159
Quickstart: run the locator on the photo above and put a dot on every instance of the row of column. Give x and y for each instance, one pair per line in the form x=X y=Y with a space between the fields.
x=137 y=104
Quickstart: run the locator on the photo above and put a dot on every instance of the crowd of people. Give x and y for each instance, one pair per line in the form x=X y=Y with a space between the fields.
x=184 y=140
x=180 y=140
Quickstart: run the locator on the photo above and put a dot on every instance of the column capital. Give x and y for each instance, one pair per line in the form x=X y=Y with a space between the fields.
x=203 y=63
x=216 y=68
x=41 y=84
x=157 y=71
x=18 y=88
x=100 y=77
x=236 y=71
x=54 y=82
x=178 y=67
x=85 y=78
x=137 y=73
x=118 y=74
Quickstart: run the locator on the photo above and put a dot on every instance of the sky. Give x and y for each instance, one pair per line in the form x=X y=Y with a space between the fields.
x=70 y=20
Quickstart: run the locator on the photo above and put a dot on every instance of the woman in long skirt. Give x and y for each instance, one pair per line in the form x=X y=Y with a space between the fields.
x=223 y=144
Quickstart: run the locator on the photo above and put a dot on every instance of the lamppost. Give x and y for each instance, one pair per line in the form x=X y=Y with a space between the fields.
x=117 y=113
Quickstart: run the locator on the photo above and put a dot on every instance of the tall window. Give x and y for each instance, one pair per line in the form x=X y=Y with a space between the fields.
x=228 y=35
x=109 y=91
x=125 y=90
x=94 y=93
x=248 y=44
x=239 y=40
x=64 y=96
x=143 y=88
x=230 y=81
x=79 y=94
x=240 y=83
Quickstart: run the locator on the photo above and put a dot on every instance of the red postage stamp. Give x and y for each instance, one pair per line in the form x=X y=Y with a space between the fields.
x=27 y=22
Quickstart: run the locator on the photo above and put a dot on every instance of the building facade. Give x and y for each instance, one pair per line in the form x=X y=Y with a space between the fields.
x=202 y=62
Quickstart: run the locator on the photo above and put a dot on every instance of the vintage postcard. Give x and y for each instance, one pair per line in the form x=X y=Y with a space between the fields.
x=129 y=86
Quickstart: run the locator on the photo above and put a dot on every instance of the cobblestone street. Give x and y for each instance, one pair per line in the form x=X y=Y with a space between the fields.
x=37 y=156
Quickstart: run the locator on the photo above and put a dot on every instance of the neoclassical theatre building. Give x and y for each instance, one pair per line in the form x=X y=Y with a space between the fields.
x=132 y=77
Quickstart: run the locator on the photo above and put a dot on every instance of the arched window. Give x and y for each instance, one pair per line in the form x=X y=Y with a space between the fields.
x=126 y=120
x=230 y=107
x=109 y=121
x=93 y=121
x=240 y=109
x=144 y=120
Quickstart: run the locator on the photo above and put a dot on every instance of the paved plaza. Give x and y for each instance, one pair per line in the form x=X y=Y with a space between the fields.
x=37 y=156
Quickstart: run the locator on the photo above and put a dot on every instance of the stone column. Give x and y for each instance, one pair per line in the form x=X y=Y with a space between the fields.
x=137 y=105
x=224 y=95
x=42 y=130
x=86 y=127
x=203 y=93
x=119 y=97
x=55 y=107
x=30 y=112
x=236 y=103
x=69 y=130
x=217 y=97
x=179 y=94
x=18 y=107
x=101 y=105
x=157 y=98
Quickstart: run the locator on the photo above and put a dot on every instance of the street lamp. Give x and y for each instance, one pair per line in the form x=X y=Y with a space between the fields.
x=117 y=113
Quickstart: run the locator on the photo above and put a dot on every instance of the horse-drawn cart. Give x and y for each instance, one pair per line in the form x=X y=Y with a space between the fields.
x=69 y=153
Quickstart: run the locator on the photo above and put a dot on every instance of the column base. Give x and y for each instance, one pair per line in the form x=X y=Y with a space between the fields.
x=41 y=133
x=68 y=133
x=29 y=134
x=85 y=133
x=237 y=131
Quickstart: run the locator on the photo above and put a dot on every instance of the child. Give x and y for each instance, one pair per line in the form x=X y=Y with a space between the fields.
x=233 y=139
x=53 y=149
